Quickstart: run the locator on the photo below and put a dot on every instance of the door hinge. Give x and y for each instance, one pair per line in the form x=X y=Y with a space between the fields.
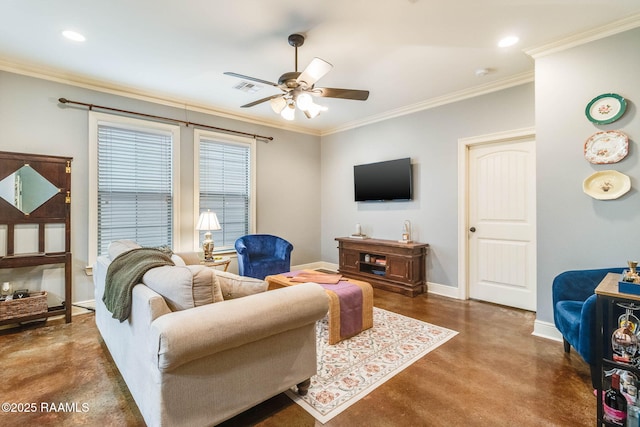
x=67 y=199
x=68 y=168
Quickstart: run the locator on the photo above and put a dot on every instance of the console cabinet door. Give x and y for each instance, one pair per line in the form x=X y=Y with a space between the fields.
x=398 y=268
x=349 y=260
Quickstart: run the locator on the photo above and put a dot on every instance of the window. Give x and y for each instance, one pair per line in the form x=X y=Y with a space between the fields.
x=134 y=191
x=224 y=179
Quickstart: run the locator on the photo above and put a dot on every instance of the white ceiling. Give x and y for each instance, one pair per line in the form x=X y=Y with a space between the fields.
x=407 y=53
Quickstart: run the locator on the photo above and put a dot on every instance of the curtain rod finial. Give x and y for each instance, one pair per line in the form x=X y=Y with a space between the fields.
x=62 y=100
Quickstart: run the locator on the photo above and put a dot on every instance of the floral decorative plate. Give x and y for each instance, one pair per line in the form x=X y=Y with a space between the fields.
x=606 y=185
x=606 y=108
x=606 y=147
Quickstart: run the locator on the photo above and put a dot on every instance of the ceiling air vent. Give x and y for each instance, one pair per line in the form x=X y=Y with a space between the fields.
x=247 y=87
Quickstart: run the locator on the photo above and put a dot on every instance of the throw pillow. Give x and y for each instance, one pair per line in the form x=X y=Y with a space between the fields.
x=177 y=260
x=234 y=286
x=183 y=287
x=217 y=288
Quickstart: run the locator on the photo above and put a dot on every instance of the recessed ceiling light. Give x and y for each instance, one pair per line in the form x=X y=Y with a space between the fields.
x=508 y=41
x=72 y=35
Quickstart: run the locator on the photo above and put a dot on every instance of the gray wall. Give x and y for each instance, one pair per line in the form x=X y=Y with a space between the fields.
x=288 y=175
x=576 y=231
x=430 y=138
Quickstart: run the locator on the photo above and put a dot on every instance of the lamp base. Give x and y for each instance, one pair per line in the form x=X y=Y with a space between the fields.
x=207 y=247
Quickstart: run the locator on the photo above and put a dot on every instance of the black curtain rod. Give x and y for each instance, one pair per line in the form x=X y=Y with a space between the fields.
x=151 y=116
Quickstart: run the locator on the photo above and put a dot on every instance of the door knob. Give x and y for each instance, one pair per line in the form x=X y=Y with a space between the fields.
x=472 y=229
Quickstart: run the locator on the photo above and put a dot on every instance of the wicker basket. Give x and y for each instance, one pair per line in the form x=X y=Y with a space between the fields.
x=36 y=303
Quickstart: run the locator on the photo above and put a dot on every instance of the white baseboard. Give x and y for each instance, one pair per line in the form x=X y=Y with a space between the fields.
x=90 y=304
x=546 y=330
x=443 y=290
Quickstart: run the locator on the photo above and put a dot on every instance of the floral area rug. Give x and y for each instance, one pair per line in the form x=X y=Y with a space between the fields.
x=351 y=369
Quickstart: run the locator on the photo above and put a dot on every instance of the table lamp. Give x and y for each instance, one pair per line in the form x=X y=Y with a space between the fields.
x=208 y=221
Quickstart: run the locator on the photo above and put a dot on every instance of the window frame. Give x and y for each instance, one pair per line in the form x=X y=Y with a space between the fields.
x=200 y=134
x=97 y=119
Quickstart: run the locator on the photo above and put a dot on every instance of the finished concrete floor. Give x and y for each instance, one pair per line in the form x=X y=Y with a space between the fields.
x=493 y=373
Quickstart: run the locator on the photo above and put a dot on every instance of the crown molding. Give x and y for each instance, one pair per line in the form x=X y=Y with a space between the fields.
x=129 y=92
x=615 y=27
x=517 y=80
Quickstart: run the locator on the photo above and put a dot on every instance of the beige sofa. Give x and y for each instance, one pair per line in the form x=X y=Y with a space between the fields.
x=188 y=361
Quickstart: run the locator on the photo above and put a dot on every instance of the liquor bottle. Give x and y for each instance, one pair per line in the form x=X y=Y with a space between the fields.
x=615 y=404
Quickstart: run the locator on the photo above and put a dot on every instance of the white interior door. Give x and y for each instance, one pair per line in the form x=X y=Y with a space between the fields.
x=502 y=252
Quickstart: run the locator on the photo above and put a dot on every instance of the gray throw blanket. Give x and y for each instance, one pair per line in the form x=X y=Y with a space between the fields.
x=126 y=271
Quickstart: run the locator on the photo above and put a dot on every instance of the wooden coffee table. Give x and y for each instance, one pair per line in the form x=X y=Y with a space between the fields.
x=284 y=279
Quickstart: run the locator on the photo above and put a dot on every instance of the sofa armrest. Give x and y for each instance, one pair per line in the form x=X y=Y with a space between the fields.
x=180 y=337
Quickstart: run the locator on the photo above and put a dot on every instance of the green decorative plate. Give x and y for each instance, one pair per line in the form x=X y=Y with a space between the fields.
x=606 y=108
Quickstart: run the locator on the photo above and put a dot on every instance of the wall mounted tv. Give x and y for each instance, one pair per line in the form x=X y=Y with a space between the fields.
x=389 y=180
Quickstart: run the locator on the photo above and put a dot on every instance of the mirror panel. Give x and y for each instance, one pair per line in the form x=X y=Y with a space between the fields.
x=26 y=189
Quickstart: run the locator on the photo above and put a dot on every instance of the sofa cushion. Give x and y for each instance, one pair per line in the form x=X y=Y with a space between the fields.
x=118 y=247
x=234 y=286
x=184 y=287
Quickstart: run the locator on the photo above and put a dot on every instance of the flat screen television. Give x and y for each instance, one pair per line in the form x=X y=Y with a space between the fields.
x=389 y=180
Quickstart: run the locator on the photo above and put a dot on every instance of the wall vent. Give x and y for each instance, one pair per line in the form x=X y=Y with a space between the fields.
x=247 y=87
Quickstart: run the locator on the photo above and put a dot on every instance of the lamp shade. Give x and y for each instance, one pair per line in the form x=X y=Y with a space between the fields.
x=278 y=104
x=289 y=112
x=208 y=221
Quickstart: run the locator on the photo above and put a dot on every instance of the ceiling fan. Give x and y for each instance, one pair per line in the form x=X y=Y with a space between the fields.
x=298 y=87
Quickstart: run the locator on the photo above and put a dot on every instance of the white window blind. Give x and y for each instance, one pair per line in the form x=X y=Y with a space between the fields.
x=135 y=197
x=225 y=188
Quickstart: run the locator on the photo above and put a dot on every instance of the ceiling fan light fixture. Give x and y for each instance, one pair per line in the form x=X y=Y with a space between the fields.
x=289 y=112
x=297 y=87
x=304 y=101
x=314 y=110
x=278 y=104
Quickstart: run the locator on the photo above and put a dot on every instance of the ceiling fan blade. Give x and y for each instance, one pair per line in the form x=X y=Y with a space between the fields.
x=314 y=72
x=260 y=101
x=331 y=92
x=241 y=76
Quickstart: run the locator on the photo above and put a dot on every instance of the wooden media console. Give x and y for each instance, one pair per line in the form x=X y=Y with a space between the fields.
x=386 y=264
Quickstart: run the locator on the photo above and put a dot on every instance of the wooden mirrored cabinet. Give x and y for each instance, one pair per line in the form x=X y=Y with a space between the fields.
x=35 y=227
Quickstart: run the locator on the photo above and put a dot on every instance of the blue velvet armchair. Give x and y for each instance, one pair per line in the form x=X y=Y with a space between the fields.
x=260 y=255
x=574 y=310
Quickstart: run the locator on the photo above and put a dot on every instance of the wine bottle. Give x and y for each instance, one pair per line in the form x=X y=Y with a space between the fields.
x=615 y=404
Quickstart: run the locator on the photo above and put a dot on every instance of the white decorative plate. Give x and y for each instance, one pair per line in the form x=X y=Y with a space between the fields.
x=606 y=185
x=606 y=147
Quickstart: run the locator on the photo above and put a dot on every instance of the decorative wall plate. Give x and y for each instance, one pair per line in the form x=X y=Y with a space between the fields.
x=606 y=185
x=606 y=147
x=606 y=108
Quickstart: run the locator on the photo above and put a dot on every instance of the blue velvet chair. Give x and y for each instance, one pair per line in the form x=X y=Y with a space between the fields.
x=260 y=255
x=574 y=310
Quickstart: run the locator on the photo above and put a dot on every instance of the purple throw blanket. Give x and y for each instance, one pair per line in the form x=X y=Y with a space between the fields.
x=350 y=297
